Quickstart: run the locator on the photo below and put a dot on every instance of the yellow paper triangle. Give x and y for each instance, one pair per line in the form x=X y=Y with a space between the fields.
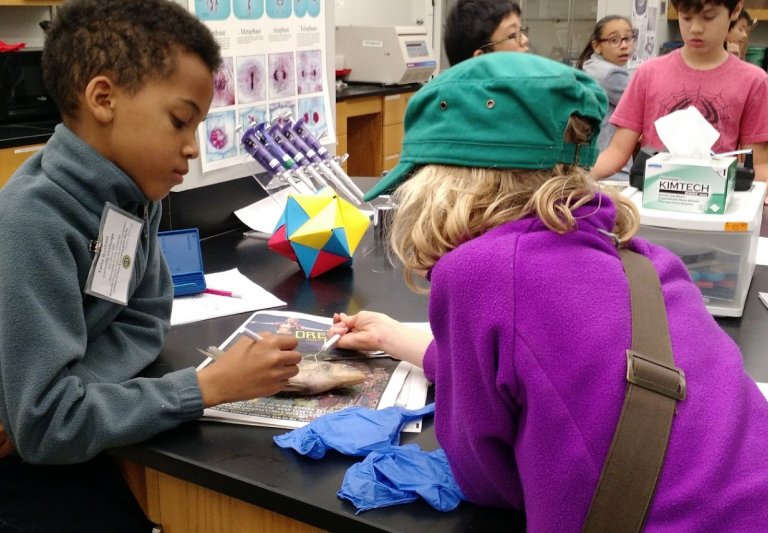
x=310 y=235
x=355 y=223
x=316 y=231
x=313 y=204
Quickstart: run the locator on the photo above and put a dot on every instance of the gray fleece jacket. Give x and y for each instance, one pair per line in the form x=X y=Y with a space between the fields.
x=69 y=361
x=613 y=79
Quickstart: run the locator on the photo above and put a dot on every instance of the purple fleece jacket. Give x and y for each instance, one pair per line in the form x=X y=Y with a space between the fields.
x=529 y=367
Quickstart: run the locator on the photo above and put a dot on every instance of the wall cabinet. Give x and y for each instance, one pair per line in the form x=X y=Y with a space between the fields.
x=370 y=129
x=12 y=158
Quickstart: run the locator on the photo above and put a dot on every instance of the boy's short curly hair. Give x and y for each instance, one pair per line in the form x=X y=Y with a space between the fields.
x=698 y=5
x=132 y=40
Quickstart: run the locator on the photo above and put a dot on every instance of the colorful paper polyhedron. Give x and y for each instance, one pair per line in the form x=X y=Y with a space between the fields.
x=319 y=231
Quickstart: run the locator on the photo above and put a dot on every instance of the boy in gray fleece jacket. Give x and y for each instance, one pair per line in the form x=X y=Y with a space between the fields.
x=132 y=79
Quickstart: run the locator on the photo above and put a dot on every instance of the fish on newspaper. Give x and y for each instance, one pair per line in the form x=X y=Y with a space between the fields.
x=315 y=377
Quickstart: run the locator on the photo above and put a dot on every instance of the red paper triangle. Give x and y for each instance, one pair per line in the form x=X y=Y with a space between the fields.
x=279 y=243
x=325 y=262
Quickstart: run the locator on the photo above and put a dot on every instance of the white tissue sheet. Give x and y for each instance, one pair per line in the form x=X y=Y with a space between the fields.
x=686 y=133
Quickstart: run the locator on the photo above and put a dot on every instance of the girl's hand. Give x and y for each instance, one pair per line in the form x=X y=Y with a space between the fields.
x=369 y=331
x=366 y=331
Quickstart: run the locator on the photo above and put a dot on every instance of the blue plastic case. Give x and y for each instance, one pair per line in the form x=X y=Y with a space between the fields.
x=185 y=259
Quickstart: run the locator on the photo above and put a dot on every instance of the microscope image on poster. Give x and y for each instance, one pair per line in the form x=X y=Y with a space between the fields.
x=251 y=79
x=212 y=9
x=303 y=8
x=249 y=9
x=279 y=9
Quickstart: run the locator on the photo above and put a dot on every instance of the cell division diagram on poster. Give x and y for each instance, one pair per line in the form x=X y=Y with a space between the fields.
x=274 y=66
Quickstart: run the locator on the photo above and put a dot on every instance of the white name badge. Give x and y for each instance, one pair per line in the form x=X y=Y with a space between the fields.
x=115 y=250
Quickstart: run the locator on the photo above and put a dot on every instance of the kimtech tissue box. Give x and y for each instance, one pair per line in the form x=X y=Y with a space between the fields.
x=684 y=184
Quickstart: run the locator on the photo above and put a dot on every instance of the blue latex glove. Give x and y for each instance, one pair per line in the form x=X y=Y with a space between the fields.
x=351 y=431
x=400 y=474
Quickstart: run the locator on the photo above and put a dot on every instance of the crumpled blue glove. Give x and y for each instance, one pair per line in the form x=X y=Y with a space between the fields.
x=351 y=431
x=400 y=474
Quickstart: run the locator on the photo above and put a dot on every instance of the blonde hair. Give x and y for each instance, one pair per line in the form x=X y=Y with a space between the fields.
x=441 y=206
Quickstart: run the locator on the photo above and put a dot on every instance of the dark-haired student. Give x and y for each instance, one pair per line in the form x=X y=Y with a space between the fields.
x=86 y=295
x=475 y=27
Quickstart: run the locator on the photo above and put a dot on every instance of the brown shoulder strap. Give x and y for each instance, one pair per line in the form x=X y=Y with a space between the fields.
x=654 y=386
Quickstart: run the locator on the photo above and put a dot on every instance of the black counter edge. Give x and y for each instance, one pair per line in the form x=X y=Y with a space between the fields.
x=265 y=497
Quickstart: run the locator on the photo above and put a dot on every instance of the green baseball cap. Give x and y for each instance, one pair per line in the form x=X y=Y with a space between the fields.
x=500 y=110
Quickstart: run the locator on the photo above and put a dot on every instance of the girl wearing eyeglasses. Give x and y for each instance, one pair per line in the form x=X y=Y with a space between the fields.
x=605 y=59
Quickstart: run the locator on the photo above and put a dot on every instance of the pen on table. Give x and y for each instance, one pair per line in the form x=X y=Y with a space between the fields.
x=219 y=292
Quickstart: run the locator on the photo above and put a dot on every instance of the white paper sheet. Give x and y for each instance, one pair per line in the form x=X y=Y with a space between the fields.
x=263 y=215
x=188 y=309
x=764 y=389
x=413 y=395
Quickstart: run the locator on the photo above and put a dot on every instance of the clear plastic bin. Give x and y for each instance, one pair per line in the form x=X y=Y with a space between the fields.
x=719 y=250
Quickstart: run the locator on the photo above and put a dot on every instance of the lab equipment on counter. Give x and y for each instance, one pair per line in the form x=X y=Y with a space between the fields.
x=182 y=252
x=719 y=250
x=292 y=157
x=386 y=54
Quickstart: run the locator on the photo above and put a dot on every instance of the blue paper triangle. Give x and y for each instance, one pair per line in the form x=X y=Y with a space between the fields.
x=295 y=216
x=306 y=256
x=280 y=222
x=337 y=243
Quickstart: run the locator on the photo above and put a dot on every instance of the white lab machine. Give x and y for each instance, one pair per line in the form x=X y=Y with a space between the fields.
x=386 y=54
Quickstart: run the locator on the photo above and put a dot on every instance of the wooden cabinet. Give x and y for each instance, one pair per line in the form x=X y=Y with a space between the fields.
x=758 y=10
x=179 y=505
x=370 y=130
x=359 y=131
x=394 y=111
x=11 y=158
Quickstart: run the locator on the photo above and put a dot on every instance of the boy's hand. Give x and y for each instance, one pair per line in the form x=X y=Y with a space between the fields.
x=6 y=446
x=250 y=369
x=733 y=48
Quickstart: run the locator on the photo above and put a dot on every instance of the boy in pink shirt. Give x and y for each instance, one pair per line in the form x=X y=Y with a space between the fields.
x=730 y=93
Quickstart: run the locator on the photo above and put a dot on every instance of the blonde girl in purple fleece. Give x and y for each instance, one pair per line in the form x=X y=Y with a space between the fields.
x=530 y=310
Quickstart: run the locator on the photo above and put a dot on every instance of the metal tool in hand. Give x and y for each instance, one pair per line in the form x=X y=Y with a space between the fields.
x=327 y=345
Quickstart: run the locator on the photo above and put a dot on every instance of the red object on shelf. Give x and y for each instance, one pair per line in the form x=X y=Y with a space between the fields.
x=341 y=72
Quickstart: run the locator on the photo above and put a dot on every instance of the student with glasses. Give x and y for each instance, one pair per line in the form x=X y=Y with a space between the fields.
x=605 y=58
x=475 y=27
x=729 y=92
